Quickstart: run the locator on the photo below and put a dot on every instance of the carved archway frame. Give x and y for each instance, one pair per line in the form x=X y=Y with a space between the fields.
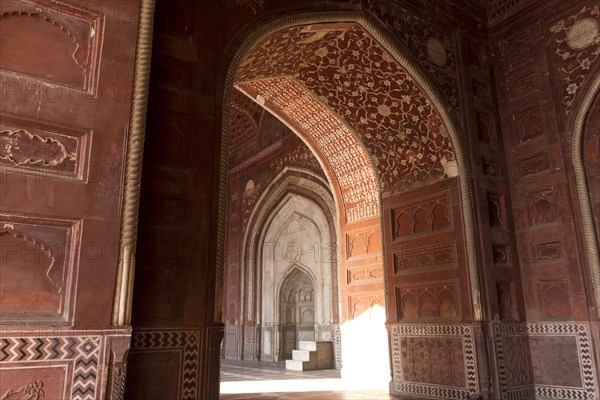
x=431 y=92
x=122 y=303
x=583 y=191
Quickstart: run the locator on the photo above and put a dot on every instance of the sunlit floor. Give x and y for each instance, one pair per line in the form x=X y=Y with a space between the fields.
x=245 y=380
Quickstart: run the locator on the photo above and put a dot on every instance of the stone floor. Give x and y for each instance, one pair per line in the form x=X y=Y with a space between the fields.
x=246 y=380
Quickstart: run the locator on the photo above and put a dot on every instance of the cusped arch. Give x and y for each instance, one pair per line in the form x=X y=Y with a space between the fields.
x=430 y=91
x=583 y=192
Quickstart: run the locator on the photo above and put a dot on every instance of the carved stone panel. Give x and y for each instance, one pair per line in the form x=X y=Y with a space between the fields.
x=48 y=150
x=362 y=243
x=542 y=205
x=364 y=302
x=507 y=300
x=496 y=213
x=436 y=301
x=534 y=164
x=171 y=358
x=361 y=275
x=528 y=124
x=514 y=361
x=66 y=367
x=67 y=40
x=486 y=127
x=524 y=87
x=37 y=267
x=433 y=360
x=550 y=251
x=425 y=216
x=554 y=299
x=34 y=382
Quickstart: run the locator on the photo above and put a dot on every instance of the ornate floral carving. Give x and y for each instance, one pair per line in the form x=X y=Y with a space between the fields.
x=417 y=34
x=22 y=147
x=32 y=391
x=577 y=47
x=438 y=256
x=353 y=171
x=364 y=275
x=394 y=119
x=444 y=360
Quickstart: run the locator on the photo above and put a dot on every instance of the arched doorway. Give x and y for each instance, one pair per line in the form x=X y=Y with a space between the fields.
x=295 y=298
x=394 y=157
x=296 y=310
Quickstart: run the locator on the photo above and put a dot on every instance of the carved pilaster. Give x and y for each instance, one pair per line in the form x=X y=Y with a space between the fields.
x=117 y=367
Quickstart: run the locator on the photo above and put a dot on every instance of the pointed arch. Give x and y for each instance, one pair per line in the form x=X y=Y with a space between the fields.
x=429 y=89
x=289 y=181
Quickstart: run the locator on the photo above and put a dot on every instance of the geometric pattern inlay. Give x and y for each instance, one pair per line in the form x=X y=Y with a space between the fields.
x=83 y=351
x=189 y=341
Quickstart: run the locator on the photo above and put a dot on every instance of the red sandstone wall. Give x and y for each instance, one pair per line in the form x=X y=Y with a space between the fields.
x=176 y=336
x=66 y=75
x=541 y=78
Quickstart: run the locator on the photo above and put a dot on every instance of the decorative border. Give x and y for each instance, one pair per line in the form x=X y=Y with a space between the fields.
x=583 y=191
x=463 y=331
x=189 y=341
x=580 y=331
x=123 y=298
x=432 y=92
x=83 y=351
x=518 y=393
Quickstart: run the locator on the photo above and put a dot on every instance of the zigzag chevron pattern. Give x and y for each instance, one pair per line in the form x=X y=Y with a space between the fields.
x=83 y=351
x=433 y=391
x=520 y=393
x=189 y=341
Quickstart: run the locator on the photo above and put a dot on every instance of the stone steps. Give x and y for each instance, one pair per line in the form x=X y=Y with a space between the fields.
x=311 y=356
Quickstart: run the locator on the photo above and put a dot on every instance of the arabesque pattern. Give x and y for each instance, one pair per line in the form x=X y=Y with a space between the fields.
x=342 y=68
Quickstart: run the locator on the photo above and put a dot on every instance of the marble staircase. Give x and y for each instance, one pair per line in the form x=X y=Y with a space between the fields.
x=311 y=356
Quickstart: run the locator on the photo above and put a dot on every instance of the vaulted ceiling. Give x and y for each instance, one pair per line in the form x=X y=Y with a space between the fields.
x=362 y=112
